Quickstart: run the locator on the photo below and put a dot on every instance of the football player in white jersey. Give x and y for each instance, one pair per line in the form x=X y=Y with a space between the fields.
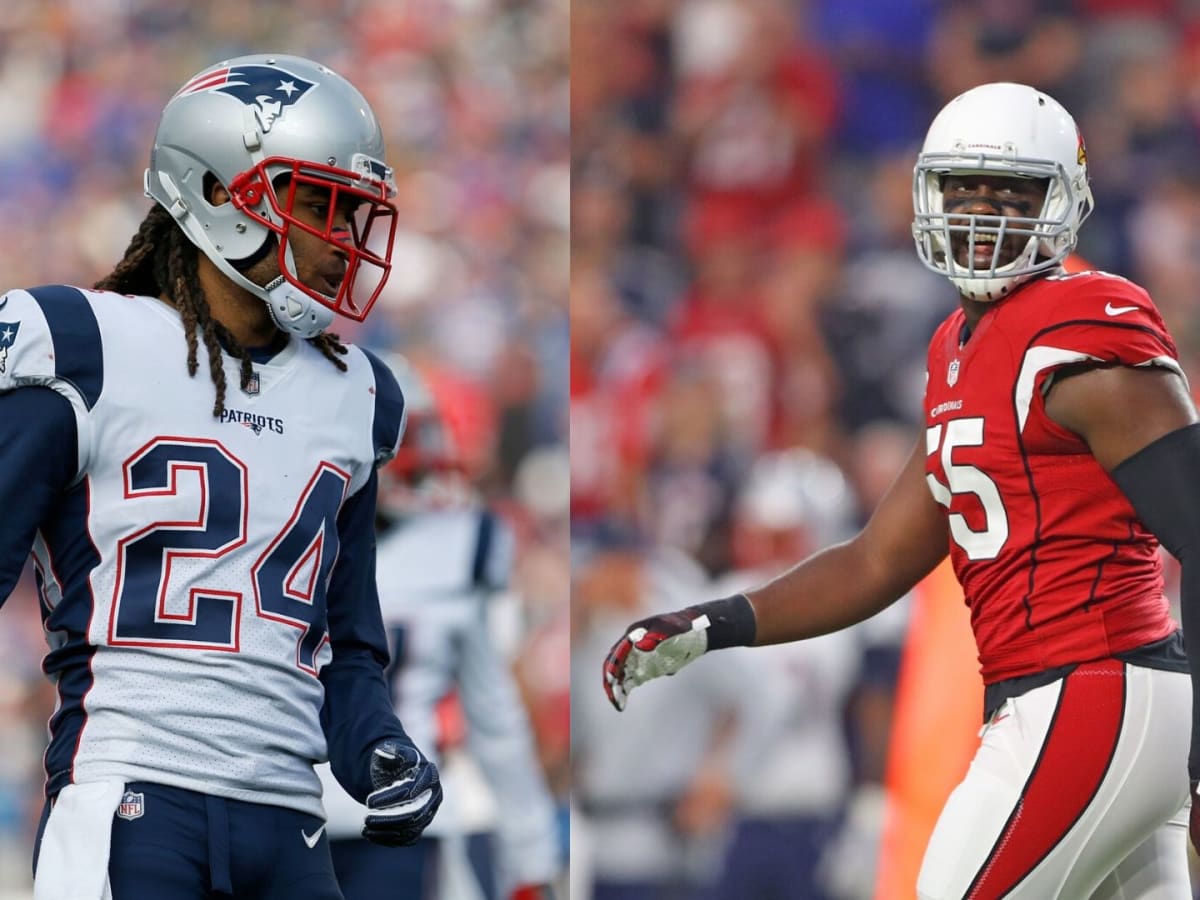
x=443 y=559
x=203 y=541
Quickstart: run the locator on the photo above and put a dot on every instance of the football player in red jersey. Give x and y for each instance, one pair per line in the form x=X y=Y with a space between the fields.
x=1061 y=446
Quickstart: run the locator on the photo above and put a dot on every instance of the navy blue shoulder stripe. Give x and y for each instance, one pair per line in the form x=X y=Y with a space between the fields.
x=483 y=548
x=78 y=357
x=389 y=405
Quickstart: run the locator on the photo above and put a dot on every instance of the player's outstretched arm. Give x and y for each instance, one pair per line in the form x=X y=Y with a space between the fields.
x=833 y=589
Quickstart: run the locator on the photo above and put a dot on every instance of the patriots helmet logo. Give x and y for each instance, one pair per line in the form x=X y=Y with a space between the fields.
x=8 y=334
x=268 y=90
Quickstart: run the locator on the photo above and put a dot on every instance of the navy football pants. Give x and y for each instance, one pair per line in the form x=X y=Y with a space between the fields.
x=190 y=846
x=368 y=871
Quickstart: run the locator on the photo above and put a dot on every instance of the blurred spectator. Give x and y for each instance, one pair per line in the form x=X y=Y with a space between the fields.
x=718 y=324
x=801 y=271
x=691 y=472
x=887 y=303
x=648 y=279
x=1022 y=40
x=616 y=369
x=755 y=118
x=881 y=51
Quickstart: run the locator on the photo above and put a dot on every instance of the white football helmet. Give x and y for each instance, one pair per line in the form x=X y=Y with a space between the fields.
x=791 y=503
x=248 y=121
x=1001 y=129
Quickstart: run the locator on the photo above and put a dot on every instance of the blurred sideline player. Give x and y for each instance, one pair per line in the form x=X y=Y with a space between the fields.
x=830 y=738
x=442 y=560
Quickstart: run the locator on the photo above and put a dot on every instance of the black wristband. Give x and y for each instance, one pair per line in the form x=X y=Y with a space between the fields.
x=731 y=621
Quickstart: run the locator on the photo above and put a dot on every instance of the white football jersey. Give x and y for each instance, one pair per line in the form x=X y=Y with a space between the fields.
x=437 y=573
x=184 y=579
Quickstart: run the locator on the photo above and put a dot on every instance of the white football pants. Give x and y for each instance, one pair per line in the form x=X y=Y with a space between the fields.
x=1078 y=791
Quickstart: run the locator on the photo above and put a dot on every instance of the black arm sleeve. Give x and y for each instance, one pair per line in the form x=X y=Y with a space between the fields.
x=1162 y=481
x=358 y=709
x=38 y=456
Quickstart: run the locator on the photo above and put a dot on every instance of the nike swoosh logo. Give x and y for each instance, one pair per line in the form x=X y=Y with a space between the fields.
x=1110 y=310
x=311 y=842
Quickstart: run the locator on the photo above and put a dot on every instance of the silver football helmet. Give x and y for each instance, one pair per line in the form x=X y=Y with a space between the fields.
x=1000 y=129
x=261 y=126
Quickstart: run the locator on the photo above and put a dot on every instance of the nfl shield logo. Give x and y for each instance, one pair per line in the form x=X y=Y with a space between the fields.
x=252 y=387
x=952 y=373
x=131 y=806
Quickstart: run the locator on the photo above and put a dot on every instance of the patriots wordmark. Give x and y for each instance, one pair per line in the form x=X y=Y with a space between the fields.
x=253 y=421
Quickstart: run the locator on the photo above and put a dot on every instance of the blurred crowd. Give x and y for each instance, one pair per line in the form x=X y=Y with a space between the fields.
x=473 y=96
x=749 y=322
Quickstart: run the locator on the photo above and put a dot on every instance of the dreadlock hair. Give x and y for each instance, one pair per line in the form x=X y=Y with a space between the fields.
x=161 y=261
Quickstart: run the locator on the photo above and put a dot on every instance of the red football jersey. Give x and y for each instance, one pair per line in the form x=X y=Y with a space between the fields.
x=1054 y=563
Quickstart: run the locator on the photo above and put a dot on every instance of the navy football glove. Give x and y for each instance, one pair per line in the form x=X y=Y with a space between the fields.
x=407 y=794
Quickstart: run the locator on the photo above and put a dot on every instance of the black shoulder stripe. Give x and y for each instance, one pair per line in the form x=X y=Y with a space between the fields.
x=78 y=357
x=1106 y=323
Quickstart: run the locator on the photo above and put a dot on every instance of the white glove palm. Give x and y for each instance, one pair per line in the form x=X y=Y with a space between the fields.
x=653 y=647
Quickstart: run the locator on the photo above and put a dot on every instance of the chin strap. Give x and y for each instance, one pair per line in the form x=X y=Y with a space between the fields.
x=294 y=312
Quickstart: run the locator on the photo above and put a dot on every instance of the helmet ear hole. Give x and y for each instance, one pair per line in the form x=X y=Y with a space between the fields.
x=210 y=184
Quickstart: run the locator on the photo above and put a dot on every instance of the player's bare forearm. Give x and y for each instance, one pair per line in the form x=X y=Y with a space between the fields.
x=906 y=537
x=849 y=582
